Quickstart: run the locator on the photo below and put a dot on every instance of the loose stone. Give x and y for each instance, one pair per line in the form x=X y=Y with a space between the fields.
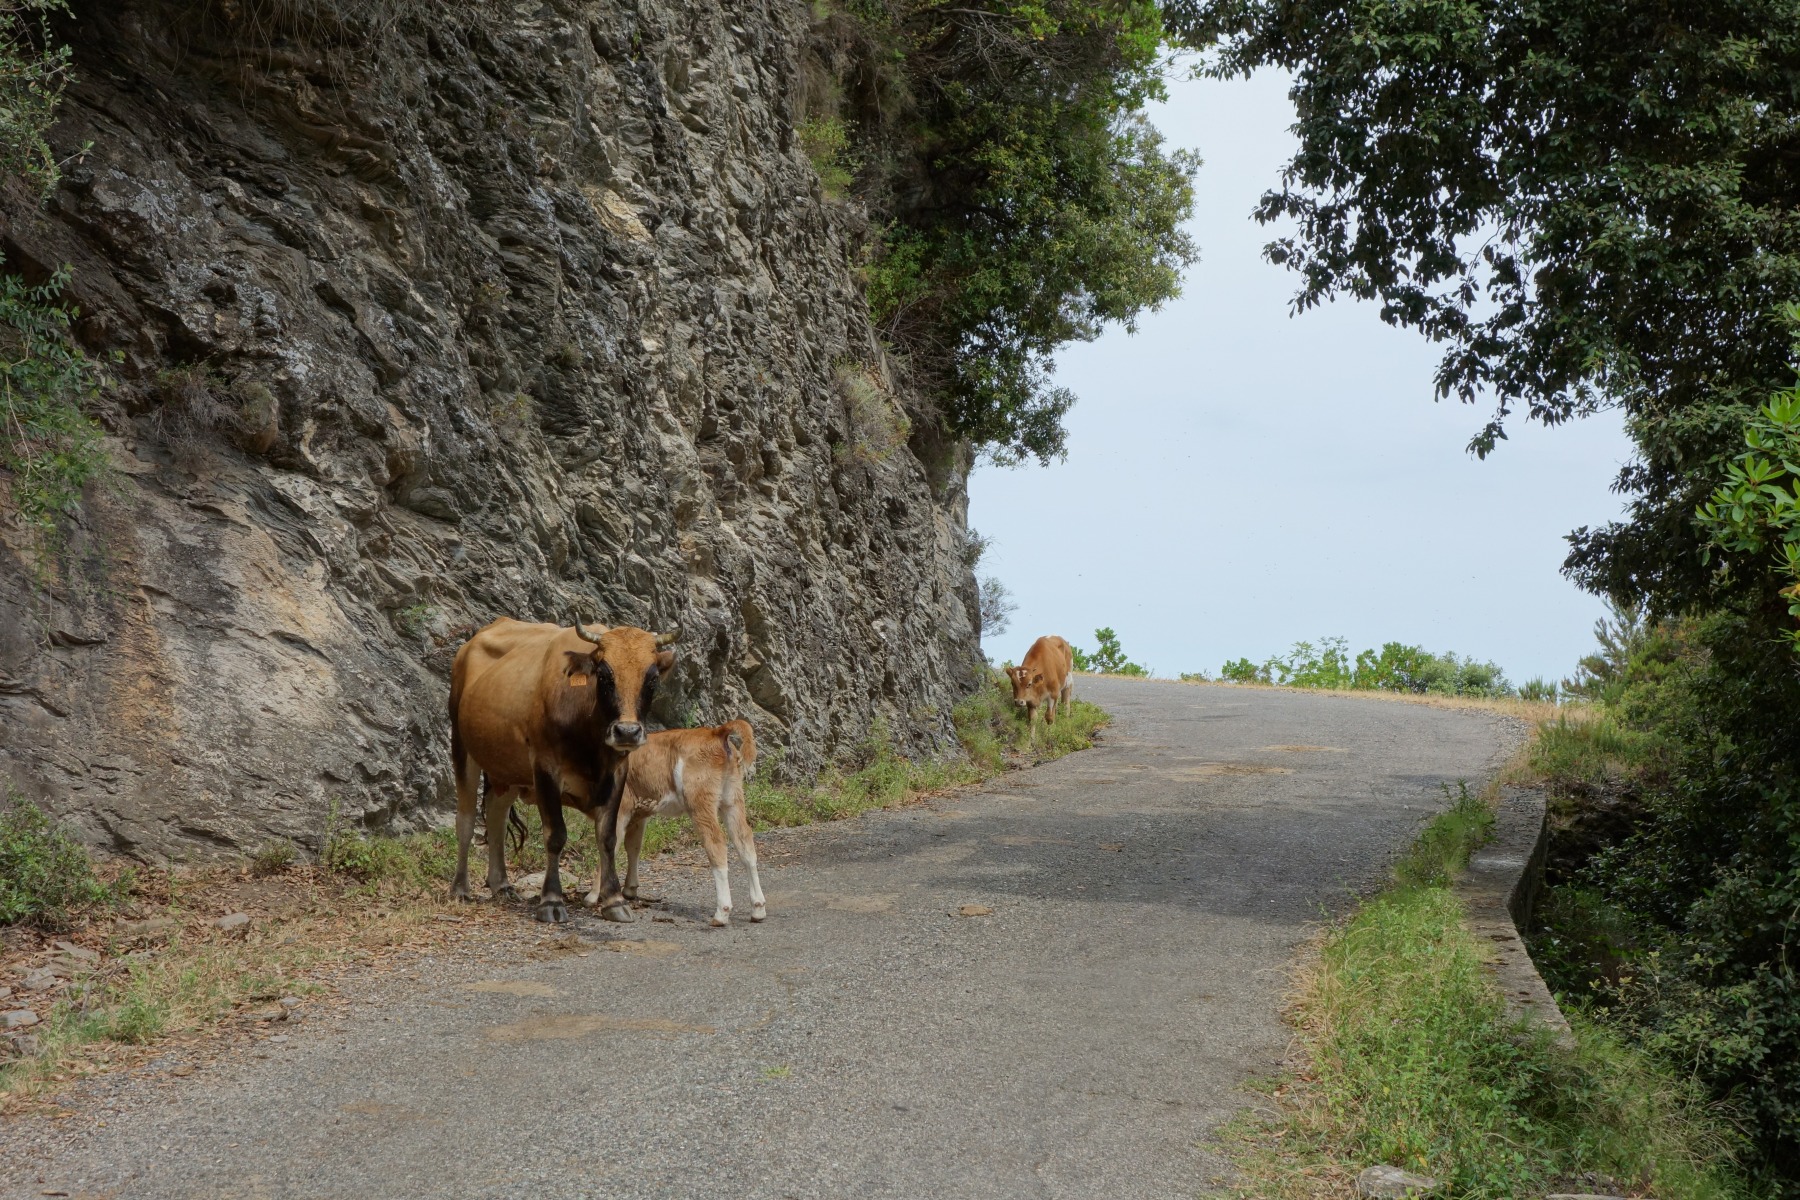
x=1391 y=1183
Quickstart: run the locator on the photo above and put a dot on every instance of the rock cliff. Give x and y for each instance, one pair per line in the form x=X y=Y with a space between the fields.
x=425 y=314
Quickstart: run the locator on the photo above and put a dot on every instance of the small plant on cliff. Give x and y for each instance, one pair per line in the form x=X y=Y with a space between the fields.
x=826 y=140
x=49 y=448
x=33 y=74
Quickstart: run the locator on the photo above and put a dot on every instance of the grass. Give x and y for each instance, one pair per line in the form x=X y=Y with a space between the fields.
x=1409 y=1058
x=366 y=897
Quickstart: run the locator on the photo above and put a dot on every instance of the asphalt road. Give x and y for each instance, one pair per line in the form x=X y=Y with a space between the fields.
x=1083 y=1040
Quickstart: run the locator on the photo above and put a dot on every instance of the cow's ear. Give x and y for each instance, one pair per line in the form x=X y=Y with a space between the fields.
x=665 y=661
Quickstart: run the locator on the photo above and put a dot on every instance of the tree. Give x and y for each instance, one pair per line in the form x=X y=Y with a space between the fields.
x=1023 y=200
x=1592 y=203
x=997 y=607
x=1588 y=203
x=1108 y=657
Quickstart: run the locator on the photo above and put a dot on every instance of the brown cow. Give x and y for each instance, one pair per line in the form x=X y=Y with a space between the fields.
x=556 y=711
x=699 y=773
x=1043 y=679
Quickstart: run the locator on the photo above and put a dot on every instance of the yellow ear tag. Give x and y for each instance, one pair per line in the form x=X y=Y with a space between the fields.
x=578 y=681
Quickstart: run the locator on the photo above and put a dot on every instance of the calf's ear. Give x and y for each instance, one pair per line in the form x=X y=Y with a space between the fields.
x=665 y=661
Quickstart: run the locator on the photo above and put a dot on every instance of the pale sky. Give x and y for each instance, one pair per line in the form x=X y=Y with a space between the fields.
x=1239 y=479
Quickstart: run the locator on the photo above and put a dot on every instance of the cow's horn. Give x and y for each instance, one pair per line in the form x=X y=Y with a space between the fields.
x=669 y=638
x=583 y=634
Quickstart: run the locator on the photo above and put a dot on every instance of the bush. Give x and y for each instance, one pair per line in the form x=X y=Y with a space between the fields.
x=1108 y=658
x=1394 y=668
x=46 y=876
x=1681 y=934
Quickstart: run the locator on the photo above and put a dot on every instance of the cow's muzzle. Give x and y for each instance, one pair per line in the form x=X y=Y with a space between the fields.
x=625 y=735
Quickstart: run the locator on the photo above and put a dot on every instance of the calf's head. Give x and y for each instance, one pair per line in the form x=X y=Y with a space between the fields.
x=624 y=666
x=1025 y=684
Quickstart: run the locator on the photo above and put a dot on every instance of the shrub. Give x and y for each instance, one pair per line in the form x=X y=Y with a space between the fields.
x=46 y=876
x=1108 y=658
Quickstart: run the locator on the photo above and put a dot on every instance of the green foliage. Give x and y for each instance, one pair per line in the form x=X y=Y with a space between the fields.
x=46 y=876
x=1024 y=201
x=1539 y=690
x=1682 y=934
x=1394 y=668
x=33 y=74
x=1415 y=1063
x=825 y=140
x=1756 y=510
x=49 y=448
x=1241 y=670
x=272 y=858
x=1107 y=658
x=415 y=862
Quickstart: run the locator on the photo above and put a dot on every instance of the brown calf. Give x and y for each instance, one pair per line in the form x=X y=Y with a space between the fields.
x=1043 y=679
x=699 y=772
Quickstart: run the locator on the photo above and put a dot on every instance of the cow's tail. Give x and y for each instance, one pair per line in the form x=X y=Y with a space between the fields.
x=515 y=824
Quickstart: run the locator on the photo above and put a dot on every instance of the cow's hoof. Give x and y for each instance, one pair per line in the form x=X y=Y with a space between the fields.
x=553 y=912
x=505 y=891
x=617 y=912
x=721 y=919
x=460 y=892
x=759 y=913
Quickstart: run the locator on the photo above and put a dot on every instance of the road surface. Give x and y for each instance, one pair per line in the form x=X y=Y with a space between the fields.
x=1082 y=1040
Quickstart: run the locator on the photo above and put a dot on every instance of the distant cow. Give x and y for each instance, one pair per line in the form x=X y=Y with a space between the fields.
x=699 y=773
x=1043 y=678
x=557 y=712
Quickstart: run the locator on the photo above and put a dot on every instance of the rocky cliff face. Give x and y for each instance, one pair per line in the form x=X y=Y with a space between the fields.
x=431 y=313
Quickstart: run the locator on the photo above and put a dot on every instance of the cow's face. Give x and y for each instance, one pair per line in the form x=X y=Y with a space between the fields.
x=1025 y=683
x=626 y=664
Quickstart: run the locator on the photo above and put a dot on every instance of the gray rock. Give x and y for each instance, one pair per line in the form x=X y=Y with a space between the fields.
x=540 y=348
x=79 y=953
x=145 y=930
x=290 y=1002
x=232 y=921
x=1390 y=1183
x=40 y=980
x=25 y=1045
x=5 y=992
x=18 y=1018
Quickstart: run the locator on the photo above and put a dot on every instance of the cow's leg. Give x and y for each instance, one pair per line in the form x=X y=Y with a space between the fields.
x=556 y=835
x=744 y=838
x=606 y=805
x=703 y=810
x=468 y=781
x=499 y=806
x=634 y=848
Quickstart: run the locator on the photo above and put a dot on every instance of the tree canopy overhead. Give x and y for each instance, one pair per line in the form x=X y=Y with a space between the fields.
x=1587 y=202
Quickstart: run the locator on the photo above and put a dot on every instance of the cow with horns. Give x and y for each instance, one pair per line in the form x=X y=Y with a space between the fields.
x=555 y=711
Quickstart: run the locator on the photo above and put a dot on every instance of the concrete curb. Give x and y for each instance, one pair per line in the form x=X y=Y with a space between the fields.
x=1498 y=891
